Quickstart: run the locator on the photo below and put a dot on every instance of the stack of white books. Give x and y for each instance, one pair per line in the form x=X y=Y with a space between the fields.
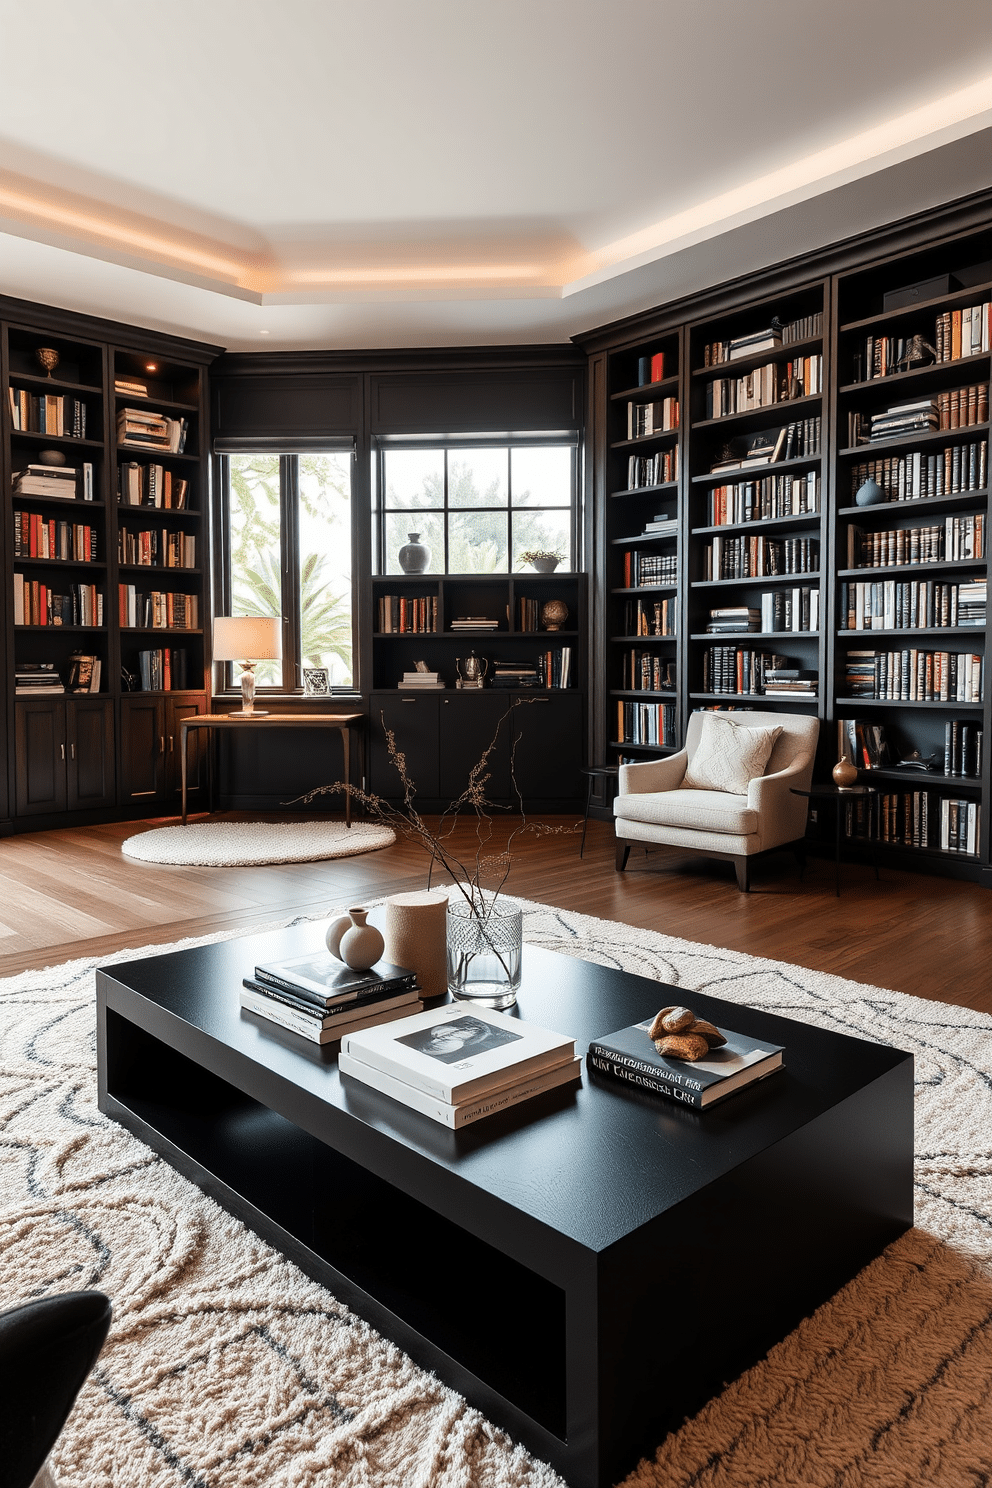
x=421 y=679
x=459 y=1063
x=321 y=999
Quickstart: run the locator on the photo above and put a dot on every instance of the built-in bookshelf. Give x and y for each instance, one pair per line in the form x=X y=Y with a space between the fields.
x=104 y=475
x=878 y=371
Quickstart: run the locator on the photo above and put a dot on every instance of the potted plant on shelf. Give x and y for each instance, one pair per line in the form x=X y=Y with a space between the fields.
x=543 y=561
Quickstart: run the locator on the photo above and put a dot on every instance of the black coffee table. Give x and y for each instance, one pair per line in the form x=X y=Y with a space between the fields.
x=587 y=1268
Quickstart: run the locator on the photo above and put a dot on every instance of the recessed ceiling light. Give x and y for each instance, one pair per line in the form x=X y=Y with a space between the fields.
x=263 y=333
x=151 y=366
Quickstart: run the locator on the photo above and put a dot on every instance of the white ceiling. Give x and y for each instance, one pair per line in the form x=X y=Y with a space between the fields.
x=347 y=173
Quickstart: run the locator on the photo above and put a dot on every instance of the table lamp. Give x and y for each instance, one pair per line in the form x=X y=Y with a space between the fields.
x=247 y=639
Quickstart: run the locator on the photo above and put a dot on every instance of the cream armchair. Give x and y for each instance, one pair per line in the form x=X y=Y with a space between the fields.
x=652 y=807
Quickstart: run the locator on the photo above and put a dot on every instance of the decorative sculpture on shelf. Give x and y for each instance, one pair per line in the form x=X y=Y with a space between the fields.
x=678 y=1034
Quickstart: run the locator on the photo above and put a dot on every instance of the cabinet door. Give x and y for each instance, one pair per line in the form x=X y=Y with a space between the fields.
x=196 y=749
x=469 y=721
x=413 y=720
x=40 y=776
x=548 y=758
x=90 y=775
x=142 y=747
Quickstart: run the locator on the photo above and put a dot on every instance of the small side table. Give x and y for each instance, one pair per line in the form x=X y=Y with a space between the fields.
x=838 y=795
x=594 y=773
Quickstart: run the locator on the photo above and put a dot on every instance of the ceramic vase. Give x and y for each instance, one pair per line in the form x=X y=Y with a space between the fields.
x=414 y=932
x=355 y=942
x=869 y=493
x=845 y=774
x=545 y=565
x=414 y=555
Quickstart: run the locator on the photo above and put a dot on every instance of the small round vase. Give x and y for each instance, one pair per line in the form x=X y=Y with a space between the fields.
x=845 y=774
x=414 y=555
x=361 y=944
x=51 y=457
x=869 y=493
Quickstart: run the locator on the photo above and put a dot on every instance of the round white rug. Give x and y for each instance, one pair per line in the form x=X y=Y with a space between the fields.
x=243 y=844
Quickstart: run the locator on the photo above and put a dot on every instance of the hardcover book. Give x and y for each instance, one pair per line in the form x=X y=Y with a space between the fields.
x=499 y=1099
x=456 y=1053
x=313 y=1029
x=630 y=1055
x=327 y=1012
x=329 y=980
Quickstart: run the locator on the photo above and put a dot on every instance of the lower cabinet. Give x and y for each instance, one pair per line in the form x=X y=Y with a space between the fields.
x=443 y=736
x=150 y=748
x=64 y=754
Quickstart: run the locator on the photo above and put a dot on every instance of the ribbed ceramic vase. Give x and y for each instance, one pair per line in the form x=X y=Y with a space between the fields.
x=355 y=942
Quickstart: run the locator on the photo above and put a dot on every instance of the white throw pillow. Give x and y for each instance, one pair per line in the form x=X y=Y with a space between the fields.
x=729 y=755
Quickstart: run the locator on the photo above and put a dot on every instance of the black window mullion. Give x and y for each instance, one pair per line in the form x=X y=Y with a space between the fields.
x=289 y=496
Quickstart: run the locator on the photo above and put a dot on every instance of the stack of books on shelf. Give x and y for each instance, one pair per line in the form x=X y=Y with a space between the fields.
x=458 y=1064
x=38 y=604
x=422 y=680
x=911 y=604
x=764 y=386
x=141 y=426
x=48 y=413
x=554 y=668
x=915 y=676
x=630 y=1055
x=474 y=622
x=157 y=610
x=661 y=525
x=321 y=999
x=39 y=678
x=962 y=407
x=129 y=387
x=36 y=536
x=734 y=619
x=650 y=369
x=84 y=672
x=790 y=682
x=151 y=485
x=53 y=480
x=516 y=674
x=652 y=418
x=402 y=615
x=795 y=441
x=643 y=617
x=794 y=610
x=963 y=333
x=897 y=422
x=641 y=570
x=163 y=670
x=766 y=338
x=738 y=671
x=653 y=470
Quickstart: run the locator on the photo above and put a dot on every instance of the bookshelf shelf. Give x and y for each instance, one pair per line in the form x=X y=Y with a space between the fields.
x=66 y=441
x=913 y=570
x=647 y=391
x=764 y=524
x=671 y=487
x=54 y=384
x=934 y=632
x=754 y=472
x=88 y=563
x=862 y=702
x=957 y=298
x=781 y=355
x=746 y=636
x=769 y=413
x=934 y=373
x=964 y=434
x=642 y=694
x=668 y=435
x=915 y=504
x=768 y=581
x=807 y=699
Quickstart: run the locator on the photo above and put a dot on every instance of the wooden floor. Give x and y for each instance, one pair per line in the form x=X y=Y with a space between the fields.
x=71 y=893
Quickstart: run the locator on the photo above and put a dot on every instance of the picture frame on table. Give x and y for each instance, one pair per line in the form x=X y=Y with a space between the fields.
x=316 y=682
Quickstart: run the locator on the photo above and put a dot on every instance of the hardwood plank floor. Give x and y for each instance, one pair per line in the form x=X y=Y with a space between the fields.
x=72 y=893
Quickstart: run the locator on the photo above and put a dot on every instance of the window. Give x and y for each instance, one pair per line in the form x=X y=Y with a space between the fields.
x=476 y=506
x=289 y=555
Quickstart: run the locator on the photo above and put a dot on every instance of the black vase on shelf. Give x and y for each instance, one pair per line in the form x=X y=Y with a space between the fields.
x=414 y=556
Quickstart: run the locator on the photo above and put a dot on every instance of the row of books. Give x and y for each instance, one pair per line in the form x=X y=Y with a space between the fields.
x=554 y=667
x=643 y=617
x=765 y=338
x=151 y=485
x=759 y=500
x=957 y=409
x=63 y=482
x=646 y=671
x=151 y=430
x=85 y=672
x=764 y=386
x=400 y=614
x=920 y=818
x=957 y=333
x=646 y=723
x=528 y=614
x=653 y=470
x=912 y=675
x=963 y=749
x=866 y=745
x=47 y=413
x=650 y=369
x=157 y=610
x=962 y=333
x=151 y=548
x=911 y=604
x=36 y=536
x=954 y=540
x=738 y=670
x=39 y=604
x=643 y=569
x=163 y=670
x=658 y=417
x=914 y=476
x=799 y=440
x=796 y=610
x=754 y=557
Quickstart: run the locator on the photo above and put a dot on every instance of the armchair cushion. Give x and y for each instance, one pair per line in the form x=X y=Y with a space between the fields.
x=697 y=810
x=728 y=756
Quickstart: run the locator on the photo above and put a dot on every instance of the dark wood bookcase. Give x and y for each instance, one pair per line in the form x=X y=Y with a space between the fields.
x=114 y=747
x=912 y=280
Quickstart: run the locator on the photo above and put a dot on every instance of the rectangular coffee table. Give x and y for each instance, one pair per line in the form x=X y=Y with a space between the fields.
x=587 y=1268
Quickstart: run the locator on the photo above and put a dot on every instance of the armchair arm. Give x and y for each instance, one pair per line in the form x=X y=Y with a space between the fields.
x=781 y=814
x=653 y=775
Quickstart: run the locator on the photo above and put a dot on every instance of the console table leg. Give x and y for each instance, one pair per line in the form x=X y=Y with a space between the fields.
x=346 y=745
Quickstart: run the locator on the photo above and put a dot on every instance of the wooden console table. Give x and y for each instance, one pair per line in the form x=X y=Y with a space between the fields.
x=213 y=721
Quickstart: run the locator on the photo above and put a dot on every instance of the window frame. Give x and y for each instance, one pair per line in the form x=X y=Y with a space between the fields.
x=385 y=444
x=289 y=561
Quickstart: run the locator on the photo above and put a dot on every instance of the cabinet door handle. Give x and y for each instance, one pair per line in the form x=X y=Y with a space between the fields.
x=161 y=743
x=72 y=751
x=412 y=700
x=171 y=743
x=538 y=700
x=62 y=747
x=446 y=701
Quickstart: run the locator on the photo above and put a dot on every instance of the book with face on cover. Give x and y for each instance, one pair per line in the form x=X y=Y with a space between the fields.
x=630 y=1055
x=459 y=1051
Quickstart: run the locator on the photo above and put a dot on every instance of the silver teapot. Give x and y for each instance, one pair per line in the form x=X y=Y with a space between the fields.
x=471 y=670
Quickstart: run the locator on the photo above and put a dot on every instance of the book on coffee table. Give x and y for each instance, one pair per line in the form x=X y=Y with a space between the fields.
x=457 y=1116
x=458 y=1052
x=630 y=1055
x=328 y=1029
x=328 y=980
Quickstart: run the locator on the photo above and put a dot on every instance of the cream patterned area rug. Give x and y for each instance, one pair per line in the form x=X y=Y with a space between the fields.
x=246 y=844
x=226 y=1367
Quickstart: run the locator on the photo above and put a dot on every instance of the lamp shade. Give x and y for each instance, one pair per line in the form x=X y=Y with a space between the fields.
x=247 y=638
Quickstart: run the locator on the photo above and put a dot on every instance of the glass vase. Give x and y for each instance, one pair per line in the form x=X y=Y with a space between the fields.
x=484 y=952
